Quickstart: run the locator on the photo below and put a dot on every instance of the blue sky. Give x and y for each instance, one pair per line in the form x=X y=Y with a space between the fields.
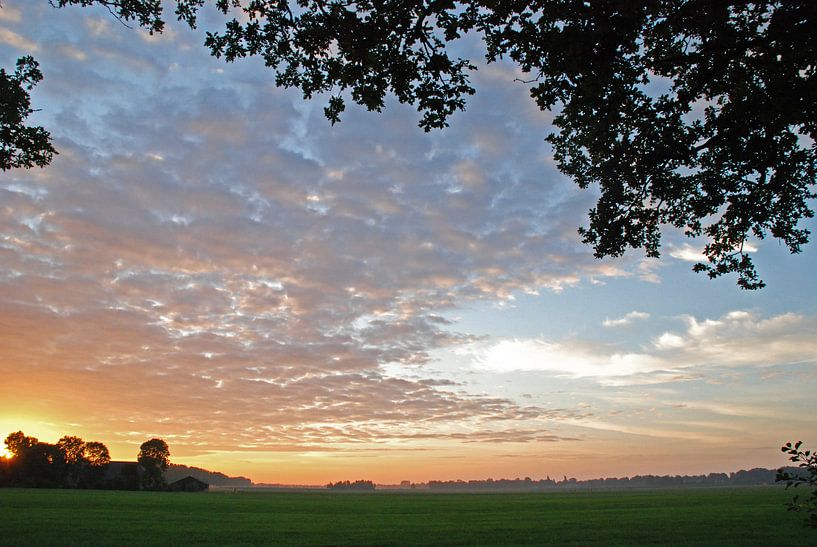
x=359 y=300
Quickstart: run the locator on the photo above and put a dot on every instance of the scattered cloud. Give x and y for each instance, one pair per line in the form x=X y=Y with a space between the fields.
x=737 y=339
x=687 y=253
x=691 y=253
x=669 y=341
x=565 y=359
x=17 y=41
x=219 y=240
x=741 y=338
x=8 y=13
x=626 y=319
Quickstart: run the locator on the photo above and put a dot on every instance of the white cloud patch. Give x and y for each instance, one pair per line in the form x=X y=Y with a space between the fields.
x=626 y=319
x=691 y=253
x=687 y=253
x=743 y=338
x=669 y=341
x=737 y=339
x=571 y=360
x=17 y=41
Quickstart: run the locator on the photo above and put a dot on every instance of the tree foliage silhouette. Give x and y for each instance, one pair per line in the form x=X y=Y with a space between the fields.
x=71 y=462
x=21 y=145
x=154 y=458
x=805 y=475
x=18 y=442
x=72 y=449
x=97 y=454
x=697 y=114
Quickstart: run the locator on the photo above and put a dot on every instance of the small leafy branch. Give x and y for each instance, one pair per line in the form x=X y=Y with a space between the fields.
x=806 y=475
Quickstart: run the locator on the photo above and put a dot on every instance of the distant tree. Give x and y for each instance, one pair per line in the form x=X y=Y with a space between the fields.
x=72 y=449
x=18 y=442
x=691 y=113
x=154 y=458
x=97 y=454
x=358 y=485
x=40 y=466
x=806 y=475
x=21 y=145
x=73 y=463
x=5 y=471
x=97 y=458
x=718 y=478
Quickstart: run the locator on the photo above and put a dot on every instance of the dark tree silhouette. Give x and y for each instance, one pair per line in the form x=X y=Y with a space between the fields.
x=697 y=114
x=41 y=466
x=804 y=475
x=95 y=461
x=72 y=449
x=97 y=454
x=154 y=458
x=18 y=442
x=81 y=462
x=72 y=462
x=21 y=145
x=358 y=485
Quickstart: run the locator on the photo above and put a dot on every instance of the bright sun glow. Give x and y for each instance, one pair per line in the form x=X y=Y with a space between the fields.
x=4 y=453
x=31 y=425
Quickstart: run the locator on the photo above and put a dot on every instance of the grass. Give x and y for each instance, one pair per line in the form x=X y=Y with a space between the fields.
x=714 y=516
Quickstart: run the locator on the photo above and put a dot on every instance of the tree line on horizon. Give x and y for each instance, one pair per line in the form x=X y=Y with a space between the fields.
x=803 y=473
x=356 y=486
x=751 y=477
x=74 y=463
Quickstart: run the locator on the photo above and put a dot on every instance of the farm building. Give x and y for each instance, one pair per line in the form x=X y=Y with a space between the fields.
x=188 y=484
x=122 y=475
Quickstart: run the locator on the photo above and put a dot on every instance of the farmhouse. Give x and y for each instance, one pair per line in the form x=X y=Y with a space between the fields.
x=123 y=475
x=188 y=484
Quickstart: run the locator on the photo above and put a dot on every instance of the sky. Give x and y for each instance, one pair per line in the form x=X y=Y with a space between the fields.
x=209 y=261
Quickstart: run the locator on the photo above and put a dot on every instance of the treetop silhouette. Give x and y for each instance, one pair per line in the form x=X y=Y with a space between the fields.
x=21 y=145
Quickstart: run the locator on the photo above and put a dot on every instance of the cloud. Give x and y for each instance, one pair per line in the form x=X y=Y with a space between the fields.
x=690 y=253
x=737 y=339
x=564 y=359
x=687 y=253
x=8 y=13
x=208 y=258
x=669 y=341
x=17 y=41
x=743 y=338
x=626 y=319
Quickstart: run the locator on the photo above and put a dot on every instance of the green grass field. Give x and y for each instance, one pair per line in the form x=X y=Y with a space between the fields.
x=735 y=516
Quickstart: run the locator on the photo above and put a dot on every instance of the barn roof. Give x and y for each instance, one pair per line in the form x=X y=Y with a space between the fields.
x=112 y=469
x=188 y=484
